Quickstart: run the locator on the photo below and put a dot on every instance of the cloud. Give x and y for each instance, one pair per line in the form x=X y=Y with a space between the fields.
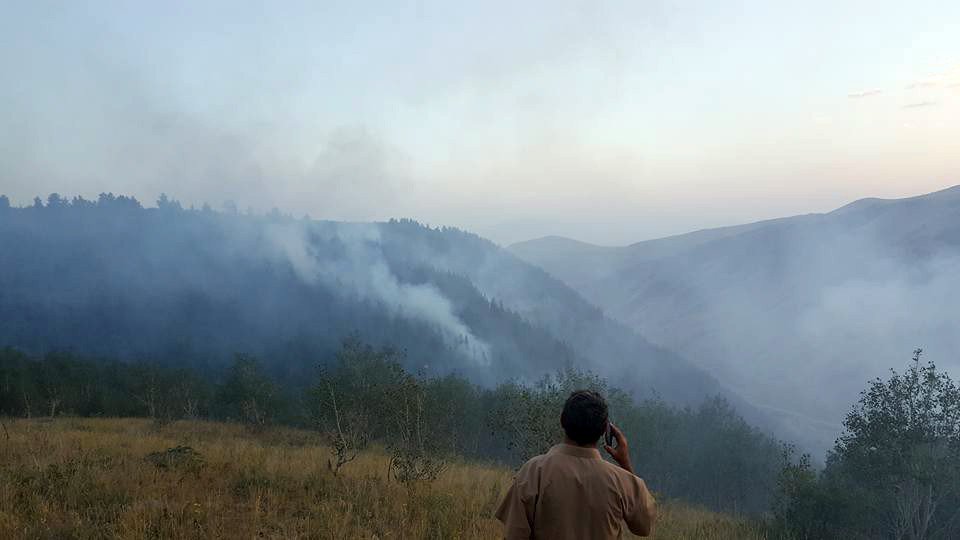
x=919 y=104
x=864 y=93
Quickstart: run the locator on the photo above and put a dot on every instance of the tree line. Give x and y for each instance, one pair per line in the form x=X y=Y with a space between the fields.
x=363 y=395
x=894 y=472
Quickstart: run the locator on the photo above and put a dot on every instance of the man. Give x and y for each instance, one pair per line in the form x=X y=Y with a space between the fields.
x=571 y=492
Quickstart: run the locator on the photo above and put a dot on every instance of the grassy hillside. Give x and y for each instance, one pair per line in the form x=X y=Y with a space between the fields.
x=110 y=478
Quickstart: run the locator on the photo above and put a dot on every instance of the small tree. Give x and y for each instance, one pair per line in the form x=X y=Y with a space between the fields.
x=187 y=393
x=351 y=400
x=247 y=393
x=344 y=427
x=52 y=380
x=368 y=395
x=901 y=445
x=149 y=390
x=804 y=508
x=412 y=457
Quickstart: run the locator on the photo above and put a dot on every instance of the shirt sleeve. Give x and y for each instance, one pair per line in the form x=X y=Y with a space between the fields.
x=516 y=511
x=640 y=510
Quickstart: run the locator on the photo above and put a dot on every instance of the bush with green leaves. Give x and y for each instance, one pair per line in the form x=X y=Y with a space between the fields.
x=366 y=395
x=248 y=394
x=895 y=470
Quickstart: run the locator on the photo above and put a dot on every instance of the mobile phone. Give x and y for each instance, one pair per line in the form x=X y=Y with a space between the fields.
x=608 y=437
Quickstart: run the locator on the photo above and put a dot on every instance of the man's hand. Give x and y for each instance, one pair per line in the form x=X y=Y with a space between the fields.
x=620 y=454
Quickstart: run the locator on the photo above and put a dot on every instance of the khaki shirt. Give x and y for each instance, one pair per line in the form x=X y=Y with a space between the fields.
x=571 y=492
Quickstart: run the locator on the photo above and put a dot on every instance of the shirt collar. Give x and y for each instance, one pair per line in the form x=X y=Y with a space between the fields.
x=576 y=451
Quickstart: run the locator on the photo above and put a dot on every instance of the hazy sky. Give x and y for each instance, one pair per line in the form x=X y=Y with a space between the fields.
x=609 y=122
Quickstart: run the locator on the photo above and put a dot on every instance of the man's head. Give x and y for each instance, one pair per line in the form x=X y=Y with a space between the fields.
x=584 y=417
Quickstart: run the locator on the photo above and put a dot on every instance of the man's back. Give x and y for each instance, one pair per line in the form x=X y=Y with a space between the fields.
x=571 y=492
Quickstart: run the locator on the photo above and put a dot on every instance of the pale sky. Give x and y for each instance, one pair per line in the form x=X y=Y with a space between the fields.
x=609 y=122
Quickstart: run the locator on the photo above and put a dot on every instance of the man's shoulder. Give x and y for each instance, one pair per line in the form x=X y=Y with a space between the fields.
x=531 y=464
x=621 y=475
x=612 y=469
x=547 y=460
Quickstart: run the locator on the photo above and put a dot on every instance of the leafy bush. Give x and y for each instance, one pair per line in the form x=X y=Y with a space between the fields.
x=893 y=473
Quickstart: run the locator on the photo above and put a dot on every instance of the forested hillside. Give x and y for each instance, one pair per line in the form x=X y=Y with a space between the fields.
x=192 y=287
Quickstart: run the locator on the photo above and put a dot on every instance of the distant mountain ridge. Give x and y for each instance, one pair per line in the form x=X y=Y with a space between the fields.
x=794 y=313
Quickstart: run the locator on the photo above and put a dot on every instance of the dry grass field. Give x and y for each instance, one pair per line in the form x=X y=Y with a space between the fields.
x=113 y=478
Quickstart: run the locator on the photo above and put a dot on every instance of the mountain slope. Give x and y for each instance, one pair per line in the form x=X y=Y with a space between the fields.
x=794 y=313
x=115 y=279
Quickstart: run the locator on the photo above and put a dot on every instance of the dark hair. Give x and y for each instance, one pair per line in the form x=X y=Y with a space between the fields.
x=584 y=417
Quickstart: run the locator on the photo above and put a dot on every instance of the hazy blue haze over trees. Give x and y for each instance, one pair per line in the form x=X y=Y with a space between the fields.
x=192 y=287
x=793 y=313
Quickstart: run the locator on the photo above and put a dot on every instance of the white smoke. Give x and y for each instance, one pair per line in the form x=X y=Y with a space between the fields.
x=362 y=271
